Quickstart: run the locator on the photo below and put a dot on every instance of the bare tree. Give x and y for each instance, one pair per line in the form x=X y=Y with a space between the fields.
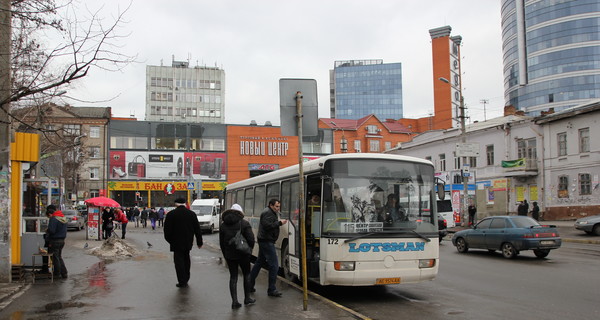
x=41 y=72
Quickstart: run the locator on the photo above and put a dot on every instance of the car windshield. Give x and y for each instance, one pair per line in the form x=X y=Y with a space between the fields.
x=389 y=197
x=524 y=222
x=202 y=210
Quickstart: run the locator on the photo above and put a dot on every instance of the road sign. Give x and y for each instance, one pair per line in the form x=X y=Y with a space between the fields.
x=287 y=103
x=191 y=186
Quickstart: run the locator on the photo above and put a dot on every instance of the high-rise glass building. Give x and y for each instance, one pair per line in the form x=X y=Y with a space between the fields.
x=178 y=93
x=551 y=53
x=363 y=87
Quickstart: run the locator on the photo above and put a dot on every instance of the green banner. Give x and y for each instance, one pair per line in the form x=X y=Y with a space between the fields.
x=513 y=163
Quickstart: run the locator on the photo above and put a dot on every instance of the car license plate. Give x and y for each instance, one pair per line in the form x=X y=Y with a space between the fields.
x=387 y=281
x=547 y=242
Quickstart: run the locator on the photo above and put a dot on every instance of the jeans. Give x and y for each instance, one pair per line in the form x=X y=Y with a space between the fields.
x=267 y=256
x=55 y=247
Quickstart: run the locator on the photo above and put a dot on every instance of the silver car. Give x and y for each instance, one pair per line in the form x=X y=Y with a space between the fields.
x=75 y=220
x=591 y=225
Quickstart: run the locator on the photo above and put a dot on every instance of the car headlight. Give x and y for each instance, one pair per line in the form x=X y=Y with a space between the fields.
x=426 y=263
x=582 y=222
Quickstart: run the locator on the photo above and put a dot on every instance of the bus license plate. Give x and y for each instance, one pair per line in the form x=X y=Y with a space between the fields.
x=387 y=281
x=547 y=242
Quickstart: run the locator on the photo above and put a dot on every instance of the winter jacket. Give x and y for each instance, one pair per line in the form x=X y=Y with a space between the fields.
x=232 y=219
x=181 y=225
x=268 y=229
x=121 y=217
x=57 y=226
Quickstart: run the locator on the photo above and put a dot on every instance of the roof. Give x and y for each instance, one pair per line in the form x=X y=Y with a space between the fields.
x=351 y=124
x=570 y=112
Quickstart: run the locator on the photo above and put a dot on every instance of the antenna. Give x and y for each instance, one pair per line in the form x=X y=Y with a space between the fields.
x=484 y=102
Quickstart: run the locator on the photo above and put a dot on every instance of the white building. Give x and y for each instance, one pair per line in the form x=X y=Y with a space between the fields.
x=179 y=93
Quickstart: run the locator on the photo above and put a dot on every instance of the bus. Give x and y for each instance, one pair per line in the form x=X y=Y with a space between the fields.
x=354 y=236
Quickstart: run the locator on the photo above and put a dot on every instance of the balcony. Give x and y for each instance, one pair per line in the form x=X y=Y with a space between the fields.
x=520 y=167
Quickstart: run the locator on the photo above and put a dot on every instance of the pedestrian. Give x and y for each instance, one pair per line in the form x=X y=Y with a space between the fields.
x=535 y=211
x=181 y=225
x=161 y=216
x=472 y=211
x=523 y=208
x=45 y=268
x=107 y=223
x=122 y=218
x=153 y=217
x=136 y=216
x=144 y=216
x=233 y=221
x=268 y=232
x=57 y=232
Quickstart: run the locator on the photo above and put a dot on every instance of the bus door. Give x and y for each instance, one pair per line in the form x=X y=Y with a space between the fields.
x=313 y=224
x=290 y=210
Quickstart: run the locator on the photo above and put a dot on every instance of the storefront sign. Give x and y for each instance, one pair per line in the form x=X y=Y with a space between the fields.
x=261 y=146
x=263 y=166
x=500 y=184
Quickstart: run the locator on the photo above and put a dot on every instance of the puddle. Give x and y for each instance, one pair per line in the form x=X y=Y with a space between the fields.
x=96 y=276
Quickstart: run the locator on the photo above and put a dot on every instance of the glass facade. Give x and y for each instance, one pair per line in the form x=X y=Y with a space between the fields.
x=562 y=53
x=367 y=87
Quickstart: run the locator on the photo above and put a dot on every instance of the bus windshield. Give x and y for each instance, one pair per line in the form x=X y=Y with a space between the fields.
x=378 y=197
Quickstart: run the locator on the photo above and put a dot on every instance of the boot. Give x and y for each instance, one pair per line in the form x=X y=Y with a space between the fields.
x=233 y=291
x=247 y=286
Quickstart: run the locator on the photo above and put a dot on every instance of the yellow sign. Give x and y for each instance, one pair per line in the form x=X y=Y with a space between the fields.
x=533 y=193
x=520 y=193
x=500 y=184
x=212 y=186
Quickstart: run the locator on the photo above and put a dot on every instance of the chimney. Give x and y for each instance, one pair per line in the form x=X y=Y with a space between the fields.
x=509 y=110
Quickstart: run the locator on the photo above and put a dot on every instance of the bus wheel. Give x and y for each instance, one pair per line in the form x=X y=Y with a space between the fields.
x=287 y=273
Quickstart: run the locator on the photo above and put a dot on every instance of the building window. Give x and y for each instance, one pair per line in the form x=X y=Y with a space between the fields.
x=489 y=152
x=456 y=161
x=357 y=146
x=442 y=162
x=527 y=148
x=388 y=145
x=94 y=132
x=585 y=184
x=372 y=129
x=94 y=193
x=562 y=144
x=95 y=152
x=473 y=162
x=563 y=186
x=72 y=129
x=584 y=140
x=94 y=171
x=374 y=145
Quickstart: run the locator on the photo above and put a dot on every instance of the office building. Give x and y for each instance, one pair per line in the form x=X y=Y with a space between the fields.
x=551 y=53
x=181 y=93
x=363 y=87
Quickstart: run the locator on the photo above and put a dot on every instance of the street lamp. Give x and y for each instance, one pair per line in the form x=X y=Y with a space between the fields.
x=463 y=140
x=343 y=141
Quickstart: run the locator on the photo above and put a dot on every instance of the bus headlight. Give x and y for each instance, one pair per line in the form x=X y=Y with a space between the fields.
x=343 y=265
x=426 y=263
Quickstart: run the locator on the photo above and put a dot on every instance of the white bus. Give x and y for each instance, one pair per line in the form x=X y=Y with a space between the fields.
x=353 y=238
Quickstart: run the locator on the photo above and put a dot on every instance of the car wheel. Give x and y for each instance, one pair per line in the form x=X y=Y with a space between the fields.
x=286 y=264
x=461 y=245
x=596 y=230
x=508 y=250
x=541 y=253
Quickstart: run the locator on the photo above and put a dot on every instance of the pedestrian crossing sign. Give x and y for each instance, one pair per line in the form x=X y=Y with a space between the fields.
x=191 y=186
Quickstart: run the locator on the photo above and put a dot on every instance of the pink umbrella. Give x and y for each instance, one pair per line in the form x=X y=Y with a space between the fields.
x=102 y=202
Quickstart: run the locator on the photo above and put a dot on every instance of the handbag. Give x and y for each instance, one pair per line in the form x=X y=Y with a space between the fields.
x=240 y=243
x=137 y=167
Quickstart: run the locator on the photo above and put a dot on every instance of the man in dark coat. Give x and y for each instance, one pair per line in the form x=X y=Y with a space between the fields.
x=268 y=232
x=181 y=225
x=56 y=234
x=523 y=208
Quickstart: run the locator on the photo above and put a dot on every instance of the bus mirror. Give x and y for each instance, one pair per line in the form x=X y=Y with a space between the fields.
x=440 y=191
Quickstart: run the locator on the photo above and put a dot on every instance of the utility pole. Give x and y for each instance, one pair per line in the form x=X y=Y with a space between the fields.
x=6 y=217
x=465 y=178
x=484 y=101
x=301 y=199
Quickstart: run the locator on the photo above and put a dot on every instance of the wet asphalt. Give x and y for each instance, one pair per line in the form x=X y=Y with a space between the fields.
x=143 y=287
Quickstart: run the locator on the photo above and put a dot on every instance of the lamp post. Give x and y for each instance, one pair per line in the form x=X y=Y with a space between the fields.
x=463 y=140
x=343 y=141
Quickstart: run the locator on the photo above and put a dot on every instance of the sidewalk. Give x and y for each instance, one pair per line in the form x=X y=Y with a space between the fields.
x=144 y=287
x=566 y=230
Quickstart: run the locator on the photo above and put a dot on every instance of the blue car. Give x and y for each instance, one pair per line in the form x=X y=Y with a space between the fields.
x=510 y=235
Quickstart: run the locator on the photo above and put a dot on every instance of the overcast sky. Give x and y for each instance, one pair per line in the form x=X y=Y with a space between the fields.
x=259 y=42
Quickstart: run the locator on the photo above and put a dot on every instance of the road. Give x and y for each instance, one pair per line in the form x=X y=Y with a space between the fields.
x=482 y=285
